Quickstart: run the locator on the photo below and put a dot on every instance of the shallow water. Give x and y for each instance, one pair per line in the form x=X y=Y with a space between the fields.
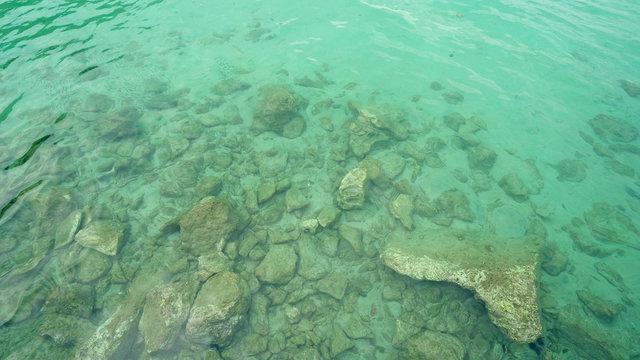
x=515 y=119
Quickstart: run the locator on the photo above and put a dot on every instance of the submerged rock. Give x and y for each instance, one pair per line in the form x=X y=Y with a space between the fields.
x=353 y=236
x=610 y=128
x=384 y=117
x=571 y=170
x=278 y=266
x=229 y=86
x=432 y=345
x=71 y=299
x=610 y=225
x=602 y=309
x=513 y=186
x=277 y=106
x=119 y=124
x=165 y=312
x=207 y=227
x=502 y=272
x=453 y=97
x=219 y=308
x=454 y=204
x=212 y=264
x=67 y=229
x=97 y=103
x=363 y=139
x=481 y=158
x=586 y=335
x=102 y=235
x=65 y=330
x=454 y=121
x=327 y=216
x=295 y=199
x=402 y=209
x=351 y=191
x=632 y=89
x=114 y=336
x=334 y=285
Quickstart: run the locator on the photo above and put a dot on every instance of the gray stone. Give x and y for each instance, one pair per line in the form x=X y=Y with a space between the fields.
x=502 y=272
x=351 y=193
x=101 y=235
x=219 y=308
x=207 y=227
x=278 y=266
x=165 y=312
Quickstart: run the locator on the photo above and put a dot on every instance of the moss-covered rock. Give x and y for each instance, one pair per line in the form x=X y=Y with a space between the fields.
x=277 y=106
x=502 y=272
x=610 y=225
x=207 y=227
x=513 y=186
x=165 y=311
x=402 y=209
x=102 y=235
x=571 y=170
x=611 y=128
x=278 y=266
x=219 y=308
x=432 y=345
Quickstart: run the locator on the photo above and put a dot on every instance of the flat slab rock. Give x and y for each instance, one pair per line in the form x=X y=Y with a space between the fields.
x=501 y=271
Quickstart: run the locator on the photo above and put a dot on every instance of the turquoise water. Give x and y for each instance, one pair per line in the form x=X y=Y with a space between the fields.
x=513 y=120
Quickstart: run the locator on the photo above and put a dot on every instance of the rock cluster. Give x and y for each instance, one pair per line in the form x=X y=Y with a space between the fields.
x=501 y=272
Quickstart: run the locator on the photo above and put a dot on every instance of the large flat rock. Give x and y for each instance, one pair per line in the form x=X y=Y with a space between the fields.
x=501 y=271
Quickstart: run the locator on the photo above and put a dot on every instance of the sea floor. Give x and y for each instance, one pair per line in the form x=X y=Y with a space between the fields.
x=270 y=180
